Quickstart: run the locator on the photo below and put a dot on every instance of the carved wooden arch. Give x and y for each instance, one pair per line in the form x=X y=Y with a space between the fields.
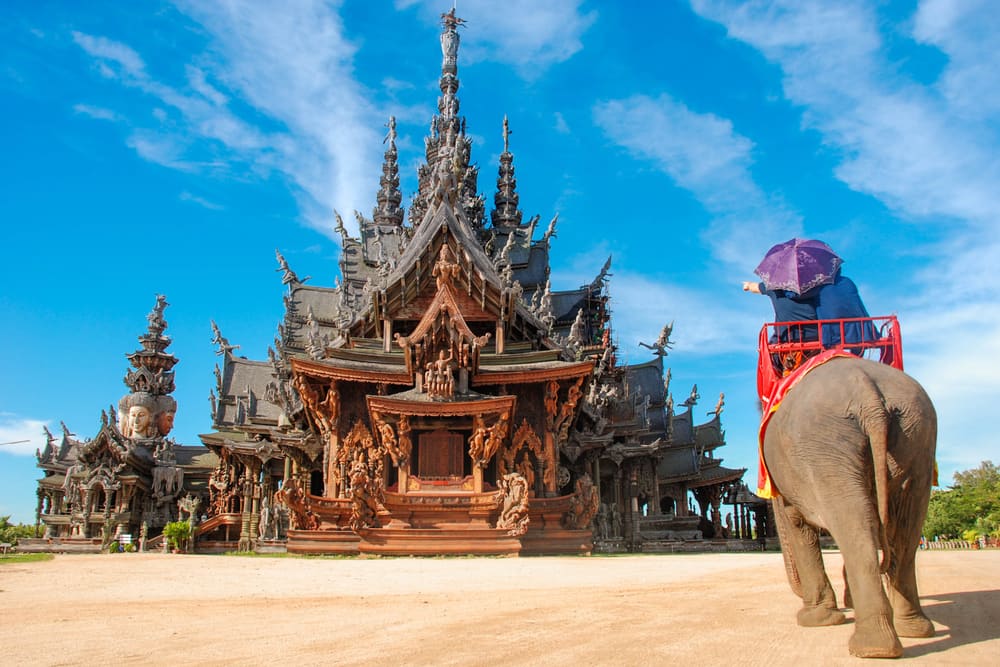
x=525 y=439
x=356 y=442
x=360 y=445
x=443 y=327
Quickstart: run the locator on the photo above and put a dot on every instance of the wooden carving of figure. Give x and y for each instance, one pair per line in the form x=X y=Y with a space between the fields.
x=388 y=436
x=292 y=496
x=438 y=378
x=526 y=470
x=405 y=442
x=513 y=496
x=445 y=269
x=364 y=506
x=477 y=443
x=584 y=504
x=497 y=433
x=552 y=402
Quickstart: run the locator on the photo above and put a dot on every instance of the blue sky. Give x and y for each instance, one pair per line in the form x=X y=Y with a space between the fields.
x=171 y=147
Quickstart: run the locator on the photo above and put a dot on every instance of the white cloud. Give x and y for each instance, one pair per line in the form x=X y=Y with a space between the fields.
x=914 y=147
x=118 y=60
x=703 y=155
x=928 y=152
x=532 y=36
x=98 y=113
x=200 y=201
x=24 y=435
x=292 y=66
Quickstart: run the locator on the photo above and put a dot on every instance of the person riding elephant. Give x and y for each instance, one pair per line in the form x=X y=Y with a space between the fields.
x=850 y=449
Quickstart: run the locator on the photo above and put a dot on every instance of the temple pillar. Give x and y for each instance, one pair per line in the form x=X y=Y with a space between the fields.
x=332 y=480
x=655 y=502
x=254 y=518
x=387 y=336
x=549 y=465
x=500 y=337
x=477 y=479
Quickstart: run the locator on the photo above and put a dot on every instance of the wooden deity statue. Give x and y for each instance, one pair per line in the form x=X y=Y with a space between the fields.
x=365 y=507
x=389 y=441
x=140 y=422
x=439 y=377
x=446 y=268
x=513 y=498
x=584 y=504
x=477 y=443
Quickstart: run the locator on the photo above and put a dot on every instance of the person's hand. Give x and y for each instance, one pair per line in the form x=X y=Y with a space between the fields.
x=750 y=287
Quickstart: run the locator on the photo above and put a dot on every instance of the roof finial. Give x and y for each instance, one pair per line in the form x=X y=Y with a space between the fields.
x=387 y=210
x=506 y=134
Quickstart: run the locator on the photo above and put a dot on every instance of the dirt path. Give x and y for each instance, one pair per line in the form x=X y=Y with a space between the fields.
x=705 y=609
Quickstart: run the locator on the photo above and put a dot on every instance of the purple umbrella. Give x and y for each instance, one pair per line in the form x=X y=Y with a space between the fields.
x=798 y=266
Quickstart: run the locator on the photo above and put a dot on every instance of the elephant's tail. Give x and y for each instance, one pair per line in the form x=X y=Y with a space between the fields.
x=876 y=423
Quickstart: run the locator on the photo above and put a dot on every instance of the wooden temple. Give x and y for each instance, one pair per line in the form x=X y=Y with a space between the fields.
x=441 y=398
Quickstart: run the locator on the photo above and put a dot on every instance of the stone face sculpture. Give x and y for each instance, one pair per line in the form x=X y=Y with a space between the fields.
x=140 y=421
x=165 y=422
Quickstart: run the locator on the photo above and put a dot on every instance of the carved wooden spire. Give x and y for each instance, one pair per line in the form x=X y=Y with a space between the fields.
x=388 y=212
x=506 y=214
x=447 y=148
x=147 y=410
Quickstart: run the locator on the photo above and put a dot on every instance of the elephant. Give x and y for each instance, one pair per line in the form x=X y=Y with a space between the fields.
x=850 y=450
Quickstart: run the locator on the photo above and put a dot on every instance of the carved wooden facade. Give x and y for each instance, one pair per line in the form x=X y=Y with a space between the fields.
x=440 y=398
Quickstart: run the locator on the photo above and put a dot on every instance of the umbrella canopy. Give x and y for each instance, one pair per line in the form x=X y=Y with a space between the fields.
x=798 y=265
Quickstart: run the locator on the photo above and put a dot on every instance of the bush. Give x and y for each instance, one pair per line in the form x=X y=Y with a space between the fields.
x=971 y=507
x=11 y=532
x=177 y=534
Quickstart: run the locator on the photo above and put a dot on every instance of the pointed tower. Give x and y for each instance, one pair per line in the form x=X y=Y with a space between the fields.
x=506 y=214
x=388 y=212
x=147 y=411
x=448 y=150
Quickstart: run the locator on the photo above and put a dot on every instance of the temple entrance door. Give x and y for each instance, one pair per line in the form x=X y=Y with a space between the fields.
x=440 y=454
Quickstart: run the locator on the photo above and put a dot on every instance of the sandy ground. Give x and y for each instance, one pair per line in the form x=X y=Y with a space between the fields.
x=704 y=609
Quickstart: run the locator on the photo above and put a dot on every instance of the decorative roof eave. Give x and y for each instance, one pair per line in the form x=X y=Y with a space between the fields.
x=325 y=370
x=264 y=450
x=533 y=373
x=422 y=248
x=392 y=405
x=719 y=475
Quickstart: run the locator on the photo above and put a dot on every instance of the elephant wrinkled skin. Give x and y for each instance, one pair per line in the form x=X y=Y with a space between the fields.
x=851 y=450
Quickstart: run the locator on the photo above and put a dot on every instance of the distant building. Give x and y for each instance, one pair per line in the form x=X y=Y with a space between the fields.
x=442 y=398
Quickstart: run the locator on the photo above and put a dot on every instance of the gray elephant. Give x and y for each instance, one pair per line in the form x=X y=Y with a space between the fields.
x=850 y=450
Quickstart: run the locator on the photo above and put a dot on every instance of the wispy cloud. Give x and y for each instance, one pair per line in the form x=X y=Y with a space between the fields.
x=24 y=435
x=926 y=150
x=702 y=154
x=529 y=35
x=200 y=201
x=275 y=91
x=100 y=113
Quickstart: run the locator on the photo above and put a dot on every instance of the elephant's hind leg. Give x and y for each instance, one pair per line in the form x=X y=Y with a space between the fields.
x=819 y=602
x=904 y=535
x=874 y=635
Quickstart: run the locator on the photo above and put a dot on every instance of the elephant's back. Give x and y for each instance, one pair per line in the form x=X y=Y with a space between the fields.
x=852 y=377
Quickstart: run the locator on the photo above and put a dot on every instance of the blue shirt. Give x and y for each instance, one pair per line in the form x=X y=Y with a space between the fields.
x=790 y=307
x=840 y=300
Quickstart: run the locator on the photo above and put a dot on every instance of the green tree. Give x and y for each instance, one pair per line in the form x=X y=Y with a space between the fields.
x=11 y=532
x=177 y=533
x=968 y=509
